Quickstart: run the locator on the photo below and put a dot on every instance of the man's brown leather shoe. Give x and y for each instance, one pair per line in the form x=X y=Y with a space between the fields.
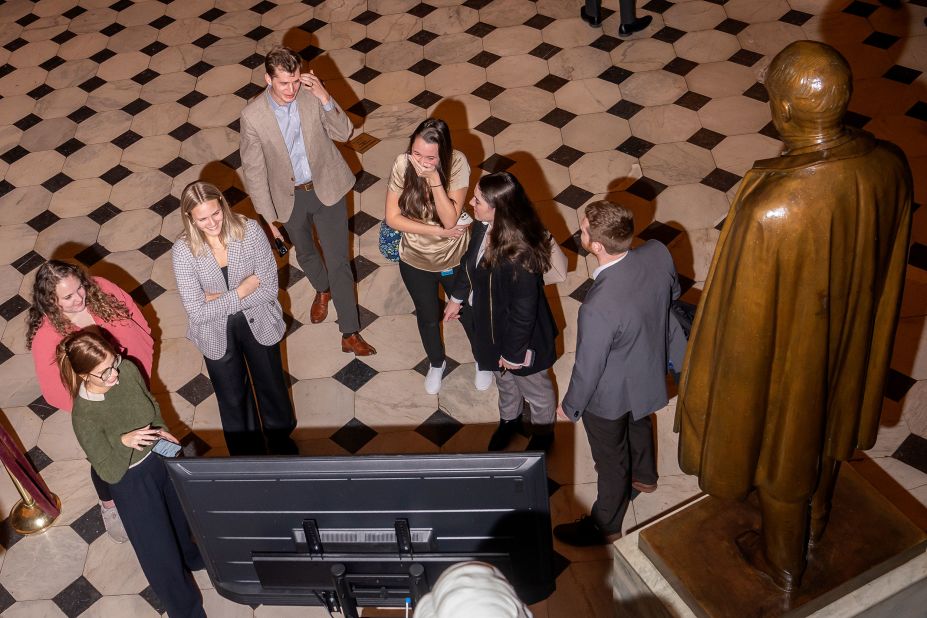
x=355 y=343
x=319 y=309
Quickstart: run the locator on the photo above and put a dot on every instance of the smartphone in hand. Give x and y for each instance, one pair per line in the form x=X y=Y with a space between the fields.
x=166 y=448
x=281 y=247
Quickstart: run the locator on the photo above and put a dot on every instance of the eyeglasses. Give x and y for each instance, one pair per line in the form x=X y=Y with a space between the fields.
x=110 y=371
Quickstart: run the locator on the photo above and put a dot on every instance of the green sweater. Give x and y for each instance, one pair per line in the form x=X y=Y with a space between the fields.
x=99 y=425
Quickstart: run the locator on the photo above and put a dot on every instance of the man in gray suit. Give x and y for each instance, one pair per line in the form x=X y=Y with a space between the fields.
x=295 y=175
x=619 y=377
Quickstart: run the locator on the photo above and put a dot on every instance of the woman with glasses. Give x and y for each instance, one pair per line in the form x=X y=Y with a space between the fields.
x=227 y=280
x=117 y=423
x=66 y=299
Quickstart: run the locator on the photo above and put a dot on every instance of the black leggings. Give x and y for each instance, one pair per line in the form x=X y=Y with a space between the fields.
x=102 y=487
x=423 y=288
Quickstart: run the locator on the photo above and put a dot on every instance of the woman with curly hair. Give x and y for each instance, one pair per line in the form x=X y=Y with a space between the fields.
x=65 y=299
x=502 y=279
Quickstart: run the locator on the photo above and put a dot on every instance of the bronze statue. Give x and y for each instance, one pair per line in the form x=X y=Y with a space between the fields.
x=790 y=348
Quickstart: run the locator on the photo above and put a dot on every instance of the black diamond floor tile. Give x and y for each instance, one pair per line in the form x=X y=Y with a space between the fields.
x=913 y=451
x=156 y=247
x=146 y=293
x=104 y=213
x=149 y=595
x=917 y=256
x=861 y=9
x=5 y=354
x=579 y=294
x=92 y=254
x=197 y=390
x=6 y=599
x=289 y=275
x=573 y=196
x=918 y=110
x=38 y=458
x=545 y=51
x=897 y=385
x=439 y=427
x=496 y=163
x=565 y=155
x=13 y=306
x=28 y=262
x=635 y=146
x=646 y=188
x=43 y=220
x=360 y=222
x=89 y=526
x=625 y=109
x=720 y=179
x=660 y=231
x=902 y=74
x=706 y=138
x=355 y=374
x=492 y=126
x=42 y=408
x=362 y=267
x=353 y=436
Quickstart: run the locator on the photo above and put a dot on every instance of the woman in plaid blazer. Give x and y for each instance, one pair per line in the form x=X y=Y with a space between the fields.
x=227 y=279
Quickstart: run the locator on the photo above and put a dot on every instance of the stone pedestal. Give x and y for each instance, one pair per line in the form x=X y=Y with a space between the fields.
x=871 y=555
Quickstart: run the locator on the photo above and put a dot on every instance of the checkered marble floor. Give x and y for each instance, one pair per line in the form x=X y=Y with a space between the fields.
x=108 y=109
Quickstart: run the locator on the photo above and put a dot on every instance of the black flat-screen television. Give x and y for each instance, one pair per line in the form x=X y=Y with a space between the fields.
x=348 y=532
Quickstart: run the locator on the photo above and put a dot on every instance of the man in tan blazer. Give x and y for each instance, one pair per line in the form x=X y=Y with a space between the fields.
x=295 y=175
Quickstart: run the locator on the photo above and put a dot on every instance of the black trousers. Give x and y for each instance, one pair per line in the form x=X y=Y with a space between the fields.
x=423 y=288
x=626 y=9
x=159 y=533
x=244 y=432
x=621 y=449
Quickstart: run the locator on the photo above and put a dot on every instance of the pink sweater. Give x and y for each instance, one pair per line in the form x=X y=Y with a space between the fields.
x=133 y=336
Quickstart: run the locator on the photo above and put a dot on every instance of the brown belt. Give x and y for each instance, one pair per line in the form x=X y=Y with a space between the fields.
x=305 y=187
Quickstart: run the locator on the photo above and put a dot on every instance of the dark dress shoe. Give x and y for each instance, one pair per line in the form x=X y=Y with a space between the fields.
x=504 y=434
x=319 y=309
x=541 y=442
x=644 y=488
x=584 y=533
x=355 y=343
x=635 y=26
x=589 y=19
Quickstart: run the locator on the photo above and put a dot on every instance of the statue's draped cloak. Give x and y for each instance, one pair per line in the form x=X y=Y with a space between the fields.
x=789 y=351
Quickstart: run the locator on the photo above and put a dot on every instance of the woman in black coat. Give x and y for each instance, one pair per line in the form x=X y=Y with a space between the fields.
x=502 y=279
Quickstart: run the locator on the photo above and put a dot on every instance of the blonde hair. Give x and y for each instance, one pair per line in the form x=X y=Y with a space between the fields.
x=78 y=354
x=196 y=194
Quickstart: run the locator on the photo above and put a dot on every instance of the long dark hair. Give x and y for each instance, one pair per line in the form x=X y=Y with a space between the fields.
x=517 y=234
x=415 y=201
x=45 y=299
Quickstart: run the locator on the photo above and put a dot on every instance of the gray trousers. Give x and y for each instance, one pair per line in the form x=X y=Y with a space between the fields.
x=334 y=272
x=626 y=9
x=537 y=389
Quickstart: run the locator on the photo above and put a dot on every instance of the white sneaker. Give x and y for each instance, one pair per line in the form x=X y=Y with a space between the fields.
x=113 y=524
x=433 y=379
x=482 y=380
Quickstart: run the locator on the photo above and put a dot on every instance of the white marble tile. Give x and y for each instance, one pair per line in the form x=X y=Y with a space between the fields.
x=113 y=568
x=124 y=605
x=394 y=401
x=42 y=565
x=34 y=609
x=323 y=406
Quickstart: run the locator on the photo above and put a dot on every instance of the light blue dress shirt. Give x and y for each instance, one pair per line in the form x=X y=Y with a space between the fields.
x=288 y=121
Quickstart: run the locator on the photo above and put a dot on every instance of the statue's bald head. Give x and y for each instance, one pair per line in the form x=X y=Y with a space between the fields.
x=813 y=79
